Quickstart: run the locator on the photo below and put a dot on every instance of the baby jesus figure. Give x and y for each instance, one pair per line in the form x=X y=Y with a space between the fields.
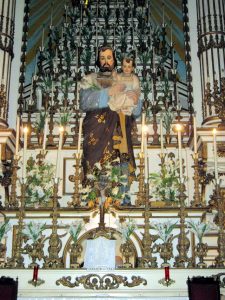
x=123 y=101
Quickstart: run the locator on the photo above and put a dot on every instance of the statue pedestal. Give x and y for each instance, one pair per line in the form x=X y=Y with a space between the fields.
x=100 y=254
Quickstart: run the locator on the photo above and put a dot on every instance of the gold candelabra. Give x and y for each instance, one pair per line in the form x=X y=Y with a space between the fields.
x=55 y=244
x=183 y=242
x=76 y=179
x=17 y=261
x=197 y=197
x=141 y=180
x=147 y=260
x=218 y=202
x=13 y=195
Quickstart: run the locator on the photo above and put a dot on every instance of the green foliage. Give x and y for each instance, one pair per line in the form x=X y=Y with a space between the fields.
x=40 y=122
x=4 y=228
x=33 y=230
x=164 y=230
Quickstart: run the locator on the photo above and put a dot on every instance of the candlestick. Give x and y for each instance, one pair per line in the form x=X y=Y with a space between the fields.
x=17 y=134
x=25 y=131
x=61 y=130
x=79 y=136
x=52 y=92
x=161 y=135
x=167 y=273
x=142 y=131
x=146 y=154
x=195 y=133
x=215 y=155
x=45 y=133
x=179 y=150
x=171 y=33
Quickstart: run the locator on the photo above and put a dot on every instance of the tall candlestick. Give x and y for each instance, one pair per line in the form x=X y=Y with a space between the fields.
x=195 y=133
x=17 y=134
x=161 y=135
x=45 y=133
x=79 y=136
x=142 y=132
x=215 y=155
x=61 y=130
x=24 y=172
x=52 y=93
x=179 y=149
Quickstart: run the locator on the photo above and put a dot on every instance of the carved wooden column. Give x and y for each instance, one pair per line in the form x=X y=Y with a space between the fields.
x=7 y=14
x=211 y=53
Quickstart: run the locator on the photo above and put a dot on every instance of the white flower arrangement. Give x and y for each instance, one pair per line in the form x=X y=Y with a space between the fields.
x=4 y=228
x=200 y=228
x=126 y=229
x=34 y=230
x=39 y=182
x=75 y=228
x=164 y=230
x=165 y=184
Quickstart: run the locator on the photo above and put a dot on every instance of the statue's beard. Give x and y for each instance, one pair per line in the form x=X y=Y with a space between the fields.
x=106 y=68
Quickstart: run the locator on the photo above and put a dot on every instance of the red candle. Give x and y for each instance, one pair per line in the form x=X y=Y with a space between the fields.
x=35 y=273
x=167 y=273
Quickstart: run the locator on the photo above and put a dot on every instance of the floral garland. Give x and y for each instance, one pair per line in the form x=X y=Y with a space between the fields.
x=104 y=181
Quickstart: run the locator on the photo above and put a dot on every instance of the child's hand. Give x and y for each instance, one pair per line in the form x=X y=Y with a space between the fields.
x=133 y=95
x=116 y=88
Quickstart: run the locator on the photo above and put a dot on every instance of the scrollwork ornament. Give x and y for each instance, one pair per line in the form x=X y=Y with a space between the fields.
x=106 y=282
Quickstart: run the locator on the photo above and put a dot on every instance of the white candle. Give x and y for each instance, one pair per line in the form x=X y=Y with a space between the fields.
x=142 y=132
x=171 y=34
x=0 y=154
x=17 y=134
x=195 y=133
x=24 y=172
x=61 y=130
x=215 y=155
x=163 y=15
x=146 y=157
x=161 y=135
x=79 y=136
x=179 y=150
x=45 y=133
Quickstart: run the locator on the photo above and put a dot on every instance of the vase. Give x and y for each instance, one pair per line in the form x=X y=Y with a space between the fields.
x=76 y=250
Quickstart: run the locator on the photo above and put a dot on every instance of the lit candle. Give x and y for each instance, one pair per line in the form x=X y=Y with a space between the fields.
x=0 y=153
x=61 y=130
x=79 y=136
x=25 y=132
x=179 y=149
x=195 y=133
x=17 y=134
x=142 y=132
x=45 y=133
x=161 y=134
x=215 y=155
x=167 y=273
x=146 y=158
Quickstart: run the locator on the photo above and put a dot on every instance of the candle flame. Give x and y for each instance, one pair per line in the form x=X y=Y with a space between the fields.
x=214 y=131
x=25 y=129
x=179 y=127
x=61 y=129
